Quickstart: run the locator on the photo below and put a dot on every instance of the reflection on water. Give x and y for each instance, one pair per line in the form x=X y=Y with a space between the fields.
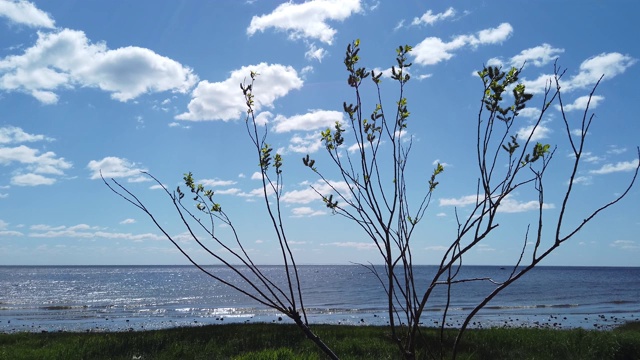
x=151 y=297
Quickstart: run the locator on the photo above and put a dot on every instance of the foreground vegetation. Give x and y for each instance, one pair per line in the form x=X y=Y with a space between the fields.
x=275 y=341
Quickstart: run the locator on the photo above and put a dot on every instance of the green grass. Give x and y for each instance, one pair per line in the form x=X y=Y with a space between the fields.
x=277 y=341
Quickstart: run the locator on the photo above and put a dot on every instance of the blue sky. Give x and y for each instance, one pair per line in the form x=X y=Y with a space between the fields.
x=128 y=86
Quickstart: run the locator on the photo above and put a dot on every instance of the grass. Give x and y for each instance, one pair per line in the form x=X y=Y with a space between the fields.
x=281 y=342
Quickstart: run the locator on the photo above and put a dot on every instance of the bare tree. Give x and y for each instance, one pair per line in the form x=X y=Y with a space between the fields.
x=378 y=200
x=285 y=298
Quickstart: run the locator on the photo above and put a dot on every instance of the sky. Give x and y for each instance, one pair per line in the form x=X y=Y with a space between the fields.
x=124 y=87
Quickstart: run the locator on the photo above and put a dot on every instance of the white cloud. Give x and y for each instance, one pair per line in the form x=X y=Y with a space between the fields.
x=614 y=149
x=618 y=167
x=156 y=187
x=33 y=165
x=491 y=62
x=315 y=53
x=31 y=180
x=306 y=70
x=484 y=248
x=128 y=221
x=87 y=232
x=589 y=157
x=607 y=64
x=510 y=205
x=462 y=201
x=538 y=85
x=224 y=100
x=625 y=244
x=45 y=97
x=308 y=144
x=577 y=132
x=114 y=167
x=399 y=26
x=437 y=248
x=388 y=72
x=507 y=205
x=256 y=176
x=530 y=112
x=433 y=50
x=309 y=195
x=444 y=164
x=581 y=103
x=355 y=245
x=12 y=134
x=589 y=72
x=541 y=131
x=66 y=59
x=584 y=180
x=215 y=182
x=307 y=20
x=313 y=120
x=356 y=147
x=430 y=18
x=306 y=211
x=441 y=214
x=24 y=12
x=537 y=56
x=231 y=191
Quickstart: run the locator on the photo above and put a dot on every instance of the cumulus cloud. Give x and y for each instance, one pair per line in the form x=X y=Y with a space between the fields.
x=510 y=205
x=31 y=180
x=66 y=58
x=115 y=167
x=540 y=132
x=25 y=13
x=430 y=18
x=306 y=20
x=622 y=166
x=584 y=180
x=433 y=50
x=581 y=103
x=309 y=195
x=34 y=168
x=306 y=211
x=307 y=144
x=462 y=201
x=313 y=120
x=224 y=100
x=537 y=56
x=315 y=53
x=605 y=65
x=12 y=134
x=530 y=112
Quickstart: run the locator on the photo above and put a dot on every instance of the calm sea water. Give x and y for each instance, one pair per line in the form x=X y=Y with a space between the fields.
x=122 y=298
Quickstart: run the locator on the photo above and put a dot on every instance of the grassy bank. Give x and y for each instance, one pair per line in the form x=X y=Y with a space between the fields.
x=271 y=341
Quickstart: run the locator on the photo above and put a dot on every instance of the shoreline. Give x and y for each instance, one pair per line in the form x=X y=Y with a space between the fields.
x=600 y=322
x=286 y=341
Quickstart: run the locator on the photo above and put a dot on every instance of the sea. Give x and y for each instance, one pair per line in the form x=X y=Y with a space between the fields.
x=135 y=298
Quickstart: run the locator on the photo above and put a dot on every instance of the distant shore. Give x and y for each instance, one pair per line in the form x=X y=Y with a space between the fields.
x=285 y=341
